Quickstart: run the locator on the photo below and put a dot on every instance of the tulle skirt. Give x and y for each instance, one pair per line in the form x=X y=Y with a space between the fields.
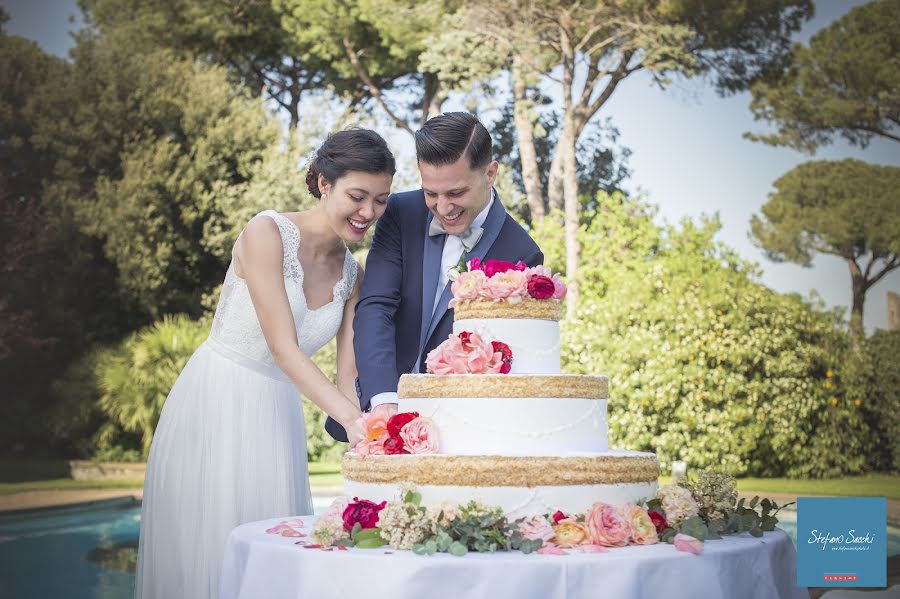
x=230 y=448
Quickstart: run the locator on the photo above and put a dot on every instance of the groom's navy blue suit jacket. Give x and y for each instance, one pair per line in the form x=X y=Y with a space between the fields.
x=394 y=327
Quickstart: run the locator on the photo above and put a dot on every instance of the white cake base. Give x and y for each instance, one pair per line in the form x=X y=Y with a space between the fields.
x=516 y=502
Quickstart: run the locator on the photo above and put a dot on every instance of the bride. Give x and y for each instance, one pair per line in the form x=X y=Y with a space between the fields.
x=230 y=446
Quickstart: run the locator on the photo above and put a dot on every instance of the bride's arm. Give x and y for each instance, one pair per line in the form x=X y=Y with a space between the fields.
x=260 y=257
x=346 y=358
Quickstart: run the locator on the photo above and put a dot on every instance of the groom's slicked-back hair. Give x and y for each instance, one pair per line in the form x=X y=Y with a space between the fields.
x=446 y=137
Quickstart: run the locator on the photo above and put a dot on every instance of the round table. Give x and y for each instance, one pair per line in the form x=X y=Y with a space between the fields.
x=258 y=564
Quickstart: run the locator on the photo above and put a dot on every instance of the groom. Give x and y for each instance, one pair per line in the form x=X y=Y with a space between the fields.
x=402 y=312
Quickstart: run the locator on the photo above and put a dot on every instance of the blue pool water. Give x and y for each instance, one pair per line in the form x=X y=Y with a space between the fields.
x=89 y=551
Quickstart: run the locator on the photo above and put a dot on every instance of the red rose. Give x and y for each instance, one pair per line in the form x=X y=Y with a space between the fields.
x=363 y=511
x=464 y=337
x=492 y=267
x=394 y=445
x=540 y=287
x=506 y=354
x=558 y=516
x=659 y=521
x=398 y=421
x=475 y=264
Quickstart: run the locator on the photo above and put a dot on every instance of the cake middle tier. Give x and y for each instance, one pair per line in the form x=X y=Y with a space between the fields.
x=507 y=414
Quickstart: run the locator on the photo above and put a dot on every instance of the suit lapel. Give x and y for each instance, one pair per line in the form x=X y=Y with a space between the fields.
x=492 y=225
x=431 y=266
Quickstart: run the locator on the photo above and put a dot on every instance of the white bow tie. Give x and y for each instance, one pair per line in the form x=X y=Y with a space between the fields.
x=469 y=237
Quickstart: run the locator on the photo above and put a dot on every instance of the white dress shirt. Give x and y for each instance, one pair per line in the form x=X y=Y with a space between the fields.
x=453 y=251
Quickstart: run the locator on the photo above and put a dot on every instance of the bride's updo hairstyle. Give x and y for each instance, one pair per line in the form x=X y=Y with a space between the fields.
x=356 y=149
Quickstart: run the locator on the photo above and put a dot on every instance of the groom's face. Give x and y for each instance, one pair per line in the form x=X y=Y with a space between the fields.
x=456 y=193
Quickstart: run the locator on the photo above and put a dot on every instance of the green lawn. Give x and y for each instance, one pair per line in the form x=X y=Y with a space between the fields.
x=870 y=485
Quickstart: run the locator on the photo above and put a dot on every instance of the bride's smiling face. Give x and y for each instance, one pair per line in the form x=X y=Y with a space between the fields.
x=354 y=202
x=456 y=193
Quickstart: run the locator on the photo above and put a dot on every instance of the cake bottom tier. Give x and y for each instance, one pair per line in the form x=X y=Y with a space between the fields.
x=521 y=486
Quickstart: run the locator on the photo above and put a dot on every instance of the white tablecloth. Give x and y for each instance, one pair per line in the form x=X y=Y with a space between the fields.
x=260 y=565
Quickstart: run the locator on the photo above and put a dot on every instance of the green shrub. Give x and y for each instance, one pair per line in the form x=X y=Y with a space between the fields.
x=136 y=378
x=706 y=365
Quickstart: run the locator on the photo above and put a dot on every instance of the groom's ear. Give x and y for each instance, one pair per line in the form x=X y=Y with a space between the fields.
x=491 y=172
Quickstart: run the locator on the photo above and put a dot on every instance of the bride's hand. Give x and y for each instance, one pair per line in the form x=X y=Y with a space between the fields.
x=356 y=431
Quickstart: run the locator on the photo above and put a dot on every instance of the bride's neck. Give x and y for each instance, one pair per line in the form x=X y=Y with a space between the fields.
x=319 y=237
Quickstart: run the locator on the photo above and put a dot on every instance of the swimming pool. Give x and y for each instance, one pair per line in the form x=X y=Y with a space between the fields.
x=89 y=551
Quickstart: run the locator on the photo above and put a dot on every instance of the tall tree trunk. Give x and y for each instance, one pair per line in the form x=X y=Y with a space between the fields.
x=555 y=180
x=525 y=138
x=433 y=97
x=858 y=290
x=566 y=151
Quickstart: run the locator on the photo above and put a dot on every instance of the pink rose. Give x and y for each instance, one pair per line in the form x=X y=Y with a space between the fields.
x=607 y=526
x=540 y=269
x=559 y=288
x=467 y=287
x=511 y=286
x=466 y=353
x=420 y=436
x=537 y=527
x=375 y=423
x=362 y=511
x=643 y=530
x=688 y=544
x=540 y=287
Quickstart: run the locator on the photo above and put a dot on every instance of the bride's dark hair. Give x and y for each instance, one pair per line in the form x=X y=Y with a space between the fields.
x=355 y=149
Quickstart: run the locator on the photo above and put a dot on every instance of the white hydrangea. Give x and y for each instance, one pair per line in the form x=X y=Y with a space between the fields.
x=404 y=524
x=677 y=503
x=328 y=529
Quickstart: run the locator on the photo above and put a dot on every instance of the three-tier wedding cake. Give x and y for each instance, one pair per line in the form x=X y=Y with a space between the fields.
x=518 y=434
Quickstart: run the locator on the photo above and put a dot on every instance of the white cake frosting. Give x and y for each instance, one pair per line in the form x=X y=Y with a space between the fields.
x=534 y=343
x=514 y=426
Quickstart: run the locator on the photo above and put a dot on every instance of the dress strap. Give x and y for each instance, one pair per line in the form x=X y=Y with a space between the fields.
x=290 y=241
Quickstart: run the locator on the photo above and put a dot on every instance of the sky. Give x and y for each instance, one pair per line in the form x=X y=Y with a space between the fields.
x=688 y=154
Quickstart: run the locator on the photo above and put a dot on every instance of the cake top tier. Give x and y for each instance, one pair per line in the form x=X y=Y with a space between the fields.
x=507 y=285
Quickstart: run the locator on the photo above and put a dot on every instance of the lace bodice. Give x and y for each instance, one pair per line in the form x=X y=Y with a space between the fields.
x=237 y=326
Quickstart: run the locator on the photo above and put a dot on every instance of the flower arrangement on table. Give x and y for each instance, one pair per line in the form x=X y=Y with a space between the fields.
x=390 y=433
x=686 y=516
x=501 y=281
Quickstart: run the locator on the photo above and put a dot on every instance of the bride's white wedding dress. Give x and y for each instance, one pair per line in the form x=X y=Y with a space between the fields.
x=230 y=446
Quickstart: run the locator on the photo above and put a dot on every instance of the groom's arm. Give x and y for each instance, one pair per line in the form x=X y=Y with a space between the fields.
x=374 y=339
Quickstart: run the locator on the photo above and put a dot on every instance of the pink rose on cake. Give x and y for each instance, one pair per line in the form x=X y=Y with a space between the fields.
x=643 y=530
x=467 y=287
x=466 y=353
x=420 y=436
x=375 y=423
x=607 y=526
x=510 y=285
x=559 y=288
